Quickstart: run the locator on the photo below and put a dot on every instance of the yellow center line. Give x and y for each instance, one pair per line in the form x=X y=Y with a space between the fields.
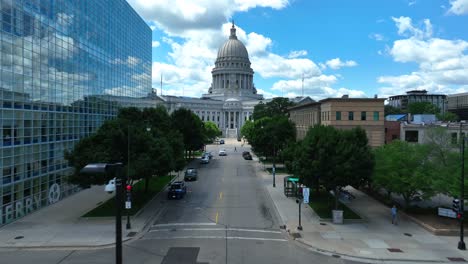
x=216 y=217
x=220 y=195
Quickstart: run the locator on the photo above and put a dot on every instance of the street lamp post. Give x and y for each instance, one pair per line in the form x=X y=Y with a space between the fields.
x=274 y=166
x=116 y=170
x=461 y=243
x=299 y=202
x=148 y=129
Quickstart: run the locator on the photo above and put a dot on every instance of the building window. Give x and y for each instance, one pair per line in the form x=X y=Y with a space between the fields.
x=412 y=136
x=350 y=115
x=376 y=115
x=363 y=115
x=338 y=115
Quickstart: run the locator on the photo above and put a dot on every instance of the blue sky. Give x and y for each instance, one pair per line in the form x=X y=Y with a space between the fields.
x=359 y=47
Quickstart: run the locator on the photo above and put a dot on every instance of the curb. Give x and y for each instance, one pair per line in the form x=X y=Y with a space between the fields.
x=358 y=258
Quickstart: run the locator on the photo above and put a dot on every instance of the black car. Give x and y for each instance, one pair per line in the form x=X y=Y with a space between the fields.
x=177 y=190
x=246 y=155
x=221 y=141
x=191 y=174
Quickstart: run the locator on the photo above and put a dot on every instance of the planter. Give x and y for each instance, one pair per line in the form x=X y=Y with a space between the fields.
x=337 y=216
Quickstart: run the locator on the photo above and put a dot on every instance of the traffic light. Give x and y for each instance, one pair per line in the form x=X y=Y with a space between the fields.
x=129 y=188
x=456 y=205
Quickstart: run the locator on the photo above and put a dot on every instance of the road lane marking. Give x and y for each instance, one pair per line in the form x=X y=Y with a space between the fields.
x=218 y=229
x=220 y=195
x=185 y=224
x=217 y=217
x=219 y=237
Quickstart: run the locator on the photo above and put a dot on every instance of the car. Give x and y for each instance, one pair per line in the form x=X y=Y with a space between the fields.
x=221 y=141
x=177 y=190
x=247 y=156
x=205 y=159
x=222 y=152
x=191 y=174
x=209 y=154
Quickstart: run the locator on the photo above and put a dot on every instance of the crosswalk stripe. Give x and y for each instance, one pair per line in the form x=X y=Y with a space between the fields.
x=185 y=224
x=220 y=237
x=218 y=229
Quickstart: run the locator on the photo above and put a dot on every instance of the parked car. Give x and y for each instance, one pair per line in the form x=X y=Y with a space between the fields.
x=205 y=159
x=247 y=156
x=191 y=174
x=221 y=141
x=209 y=154
x=177 y=190
x=222 y=152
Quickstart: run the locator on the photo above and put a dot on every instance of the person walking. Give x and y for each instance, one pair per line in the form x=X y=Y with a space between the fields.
x=235 y=149
x=394 y=215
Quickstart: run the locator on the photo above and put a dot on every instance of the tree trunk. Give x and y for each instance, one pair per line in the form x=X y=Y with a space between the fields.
x=336 y=197
x=147 y=179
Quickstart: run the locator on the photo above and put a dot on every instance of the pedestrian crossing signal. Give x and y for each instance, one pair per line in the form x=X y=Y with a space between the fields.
x=456 y=205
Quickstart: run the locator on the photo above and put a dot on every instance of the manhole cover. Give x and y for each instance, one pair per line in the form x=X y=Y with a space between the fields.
x=131 y=234
x=408 y=234
x=19 y=237
x=395 y=250
x=457 y=259
x=323 y=224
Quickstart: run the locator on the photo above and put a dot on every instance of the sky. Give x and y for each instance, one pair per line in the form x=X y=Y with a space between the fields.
x=316 y=48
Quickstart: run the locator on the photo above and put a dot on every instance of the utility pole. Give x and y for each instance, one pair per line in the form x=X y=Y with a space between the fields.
x=161 y=86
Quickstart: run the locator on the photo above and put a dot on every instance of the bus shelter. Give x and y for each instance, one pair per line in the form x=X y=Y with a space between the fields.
x=291 y=185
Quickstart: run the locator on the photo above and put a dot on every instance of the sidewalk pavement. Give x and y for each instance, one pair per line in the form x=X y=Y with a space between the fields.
x=59 y=226
x=371 y=240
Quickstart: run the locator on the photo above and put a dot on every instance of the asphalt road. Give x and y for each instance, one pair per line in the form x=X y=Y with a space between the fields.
x=226 y=217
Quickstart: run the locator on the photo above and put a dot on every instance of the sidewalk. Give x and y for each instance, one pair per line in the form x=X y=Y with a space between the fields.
x=61 y=226
x=373 y=240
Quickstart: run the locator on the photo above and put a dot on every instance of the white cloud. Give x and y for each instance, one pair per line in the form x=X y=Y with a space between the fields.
x=155 y=44
x=458 y=7
x=336 y=63
x=442 y=64
x=297 y=53
x=376 y=36
x=176 y=17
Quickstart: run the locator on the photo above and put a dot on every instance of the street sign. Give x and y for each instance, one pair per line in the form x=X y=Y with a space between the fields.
x=305 y=194
x=128 y=205
x=447 y=212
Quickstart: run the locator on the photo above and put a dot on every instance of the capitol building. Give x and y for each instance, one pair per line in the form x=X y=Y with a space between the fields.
x=231 y=99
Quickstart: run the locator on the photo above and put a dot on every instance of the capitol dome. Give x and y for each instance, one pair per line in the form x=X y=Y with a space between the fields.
x=233 y=47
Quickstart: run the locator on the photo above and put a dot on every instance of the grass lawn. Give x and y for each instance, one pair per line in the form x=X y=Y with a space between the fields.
x=277 y=170
x=139 y=198
x=324 y=203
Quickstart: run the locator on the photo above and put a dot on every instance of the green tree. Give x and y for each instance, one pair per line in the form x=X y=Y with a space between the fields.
x=447 y=117
x=422 y=108
x=278 y=106
x=391 y=110
x=190 y=127
x=405 y=169
x=138 y=136
x=211 y=131
x=333 y=158
x=247 y=129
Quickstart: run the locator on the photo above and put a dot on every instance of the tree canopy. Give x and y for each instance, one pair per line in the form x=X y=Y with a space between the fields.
x=332 y=158
x=190 y=127
x=142 y=140
x=278 y=106
x=211 y=131
x=422 y=108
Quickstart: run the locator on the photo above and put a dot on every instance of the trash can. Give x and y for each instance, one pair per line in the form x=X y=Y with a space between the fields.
x=337 y=216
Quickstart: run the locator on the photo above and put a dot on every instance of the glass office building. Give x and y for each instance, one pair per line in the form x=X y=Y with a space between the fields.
x=63 y=65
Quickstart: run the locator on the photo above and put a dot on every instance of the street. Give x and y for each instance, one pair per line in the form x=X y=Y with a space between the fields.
x=226 y=217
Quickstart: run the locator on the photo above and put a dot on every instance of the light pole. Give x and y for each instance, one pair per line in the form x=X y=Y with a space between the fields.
x=461 y=243
x=116 y=170
x=299 y=202
x=274 y=165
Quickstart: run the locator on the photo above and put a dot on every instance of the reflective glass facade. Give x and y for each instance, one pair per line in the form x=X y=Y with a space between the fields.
x=64 y=64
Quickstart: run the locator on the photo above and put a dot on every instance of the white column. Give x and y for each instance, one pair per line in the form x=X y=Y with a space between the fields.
x=229 y=119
